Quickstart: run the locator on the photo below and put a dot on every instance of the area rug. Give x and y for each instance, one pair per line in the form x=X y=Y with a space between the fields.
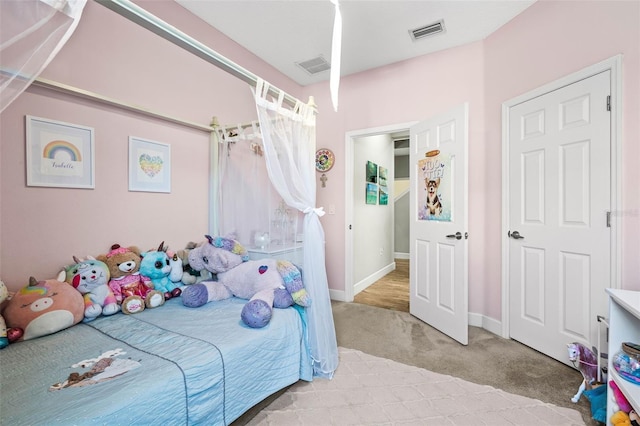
x=367 y=390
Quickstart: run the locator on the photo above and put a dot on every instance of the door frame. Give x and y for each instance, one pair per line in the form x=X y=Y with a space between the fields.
x=614 y=65
x=350 y=138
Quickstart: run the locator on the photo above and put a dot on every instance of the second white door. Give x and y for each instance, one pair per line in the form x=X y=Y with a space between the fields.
x=559 y=239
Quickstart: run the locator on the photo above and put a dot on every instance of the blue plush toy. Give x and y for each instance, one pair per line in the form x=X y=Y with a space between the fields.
x=155 y=264
x=265 y=283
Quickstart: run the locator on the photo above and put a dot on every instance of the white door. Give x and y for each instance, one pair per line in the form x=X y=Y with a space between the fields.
x=438 y=222
x=559 y=199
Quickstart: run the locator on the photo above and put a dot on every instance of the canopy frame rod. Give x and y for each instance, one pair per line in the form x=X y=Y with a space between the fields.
x=140 y=16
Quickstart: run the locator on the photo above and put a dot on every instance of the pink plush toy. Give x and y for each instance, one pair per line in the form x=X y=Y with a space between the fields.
x=619 y=398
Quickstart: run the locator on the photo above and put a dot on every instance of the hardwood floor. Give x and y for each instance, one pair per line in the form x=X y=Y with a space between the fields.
x=389 y=292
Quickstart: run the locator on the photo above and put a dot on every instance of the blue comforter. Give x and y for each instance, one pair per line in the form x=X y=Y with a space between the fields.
x=196 y=366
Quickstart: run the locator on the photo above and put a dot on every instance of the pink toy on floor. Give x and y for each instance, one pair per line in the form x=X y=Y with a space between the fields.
x=587 y=365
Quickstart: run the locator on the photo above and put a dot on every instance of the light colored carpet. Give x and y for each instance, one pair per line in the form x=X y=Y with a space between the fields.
x=367 y=390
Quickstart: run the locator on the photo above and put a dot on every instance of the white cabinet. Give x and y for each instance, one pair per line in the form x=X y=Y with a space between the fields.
x=624 y=326
x=290 y=252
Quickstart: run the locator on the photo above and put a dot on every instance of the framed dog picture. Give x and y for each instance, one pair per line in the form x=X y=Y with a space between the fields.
x=434 y=187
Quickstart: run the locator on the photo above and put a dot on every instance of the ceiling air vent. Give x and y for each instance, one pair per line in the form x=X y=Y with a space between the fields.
x=426 y=31
x=315 y=65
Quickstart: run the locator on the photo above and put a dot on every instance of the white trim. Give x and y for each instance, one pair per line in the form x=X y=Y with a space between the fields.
x=348 y=200
x=490 y=324
x=399 y=255
x=371 y=279
x=402 y=194
x=105 y=100
x=337 y=295
x=613 y=64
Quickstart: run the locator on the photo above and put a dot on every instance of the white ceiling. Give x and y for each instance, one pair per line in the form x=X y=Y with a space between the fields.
x=375 y=32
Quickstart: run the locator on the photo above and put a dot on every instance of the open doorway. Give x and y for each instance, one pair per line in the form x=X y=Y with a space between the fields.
x=377 y=261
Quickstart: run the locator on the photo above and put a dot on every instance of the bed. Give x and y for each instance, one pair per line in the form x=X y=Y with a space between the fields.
x=194 y=366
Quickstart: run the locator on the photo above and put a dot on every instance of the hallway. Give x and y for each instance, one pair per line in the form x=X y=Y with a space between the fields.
x=390 y=291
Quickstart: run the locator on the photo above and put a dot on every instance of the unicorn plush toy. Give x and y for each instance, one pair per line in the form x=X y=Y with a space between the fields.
x=156 y=265
x=91 y=277
x=266 y=283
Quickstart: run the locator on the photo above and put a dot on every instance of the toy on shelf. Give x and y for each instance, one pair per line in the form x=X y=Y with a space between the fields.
x=587 y=365
x=91 y=278
x=620 y=418
x=132 y=290
x=618 y=400
x=266 y=283
x=156 y=266
x=43 y=307
x=627 y=362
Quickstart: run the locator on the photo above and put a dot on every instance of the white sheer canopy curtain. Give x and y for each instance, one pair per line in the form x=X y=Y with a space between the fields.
x=289 y=137
x=32 y=32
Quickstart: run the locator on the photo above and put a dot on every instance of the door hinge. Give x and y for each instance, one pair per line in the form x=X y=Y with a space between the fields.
x=608 y=102
x=608 y=219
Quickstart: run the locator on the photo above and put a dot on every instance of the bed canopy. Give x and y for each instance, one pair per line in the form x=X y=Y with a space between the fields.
x=287 y=127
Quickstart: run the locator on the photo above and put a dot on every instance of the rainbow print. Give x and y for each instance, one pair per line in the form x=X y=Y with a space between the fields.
x=41 y=289
x=59 y=146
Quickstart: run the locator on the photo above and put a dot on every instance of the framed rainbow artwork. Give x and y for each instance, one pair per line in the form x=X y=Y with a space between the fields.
x=59 y=154
x=149 y=165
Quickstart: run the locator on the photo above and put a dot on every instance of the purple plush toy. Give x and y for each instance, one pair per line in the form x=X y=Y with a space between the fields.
x=265 y=283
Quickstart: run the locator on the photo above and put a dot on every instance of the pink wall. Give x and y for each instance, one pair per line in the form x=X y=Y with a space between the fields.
x=521 y=57
x=115 y=58
x=546 y=42
x=42 y=228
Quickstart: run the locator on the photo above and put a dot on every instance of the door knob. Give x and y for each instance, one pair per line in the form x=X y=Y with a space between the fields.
x=515 y=235
x=457 y=236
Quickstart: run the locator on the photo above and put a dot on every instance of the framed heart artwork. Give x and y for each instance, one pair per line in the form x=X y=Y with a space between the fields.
x=149 y=165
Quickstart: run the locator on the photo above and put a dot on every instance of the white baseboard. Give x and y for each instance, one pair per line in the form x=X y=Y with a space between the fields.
x=491 y=325
x=338 y=295
x=476 y=320
x=398 y=255
x=363 y=284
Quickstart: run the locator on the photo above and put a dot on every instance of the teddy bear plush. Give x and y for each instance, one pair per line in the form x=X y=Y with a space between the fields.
x=4 y=295
x=44 y=307
x=156 y=266
x=133 y=290
x=265 y=283
x=91 y=278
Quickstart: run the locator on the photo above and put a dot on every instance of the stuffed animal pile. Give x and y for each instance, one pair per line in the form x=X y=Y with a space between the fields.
x=128 y=280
